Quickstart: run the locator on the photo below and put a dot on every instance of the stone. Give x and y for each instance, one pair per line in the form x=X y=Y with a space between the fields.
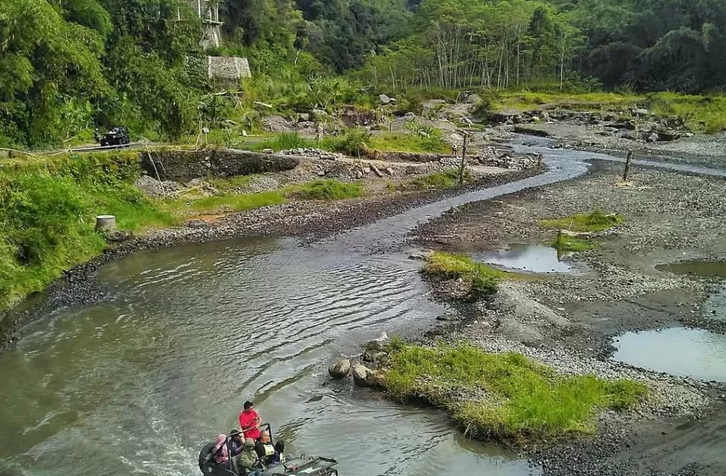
x=340 y=369
x=653 y=137
x=376 y=378
x=118 y=236
x=197 y=224
x=360 y=375
x=276 y=124
x=304 y=117
x=640 y=112
x=268 y=151
x=375 y=346
x=384 y=99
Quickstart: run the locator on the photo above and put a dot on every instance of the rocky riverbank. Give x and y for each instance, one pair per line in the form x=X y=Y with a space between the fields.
x=568 y=320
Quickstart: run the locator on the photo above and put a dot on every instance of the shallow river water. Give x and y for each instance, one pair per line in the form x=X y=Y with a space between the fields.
x=137 y=384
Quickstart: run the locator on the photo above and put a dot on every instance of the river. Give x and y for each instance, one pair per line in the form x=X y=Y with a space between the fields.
x=135 y=385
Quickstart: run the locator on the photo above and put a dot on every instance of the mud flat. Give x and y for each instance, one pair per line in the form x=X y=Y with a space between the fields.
x=623 y=297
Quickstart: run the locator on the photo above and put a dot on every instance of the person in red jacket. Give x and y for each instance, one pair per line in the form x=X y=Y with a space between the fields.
x=249 y=421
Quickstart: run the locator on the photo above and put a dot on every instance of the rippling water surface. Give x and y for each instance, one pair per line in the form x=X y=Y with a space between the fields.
x=135 y=385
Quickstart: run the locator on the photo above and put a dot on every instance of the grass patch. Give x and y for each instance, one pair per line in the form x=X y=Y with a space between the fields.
x=223 y=203
x=328 y=190
x=402 y=142
x=524 y=100
x=584 y=222
x=569 y=243
x=503 y=396
x=482 y=278
x=439 y=180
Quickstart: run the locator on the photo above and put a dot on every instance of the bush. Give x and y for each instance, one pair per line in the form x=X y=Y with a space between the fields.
x=352 y=142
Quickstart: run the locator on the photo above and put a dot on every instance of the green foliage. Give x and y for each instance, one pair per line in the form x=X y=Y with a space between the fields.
x=439 y=180
x=228 y=202
x=585 y=222
x=396 y=142
x=352 y=142
x=576 y=245
x=329 y=189
x=47 y=212
x=503 y=396
x=483 y=279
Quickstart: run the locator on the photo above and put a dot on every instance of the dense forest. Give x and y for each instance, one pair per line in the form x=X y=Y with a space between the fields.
x=68 y=65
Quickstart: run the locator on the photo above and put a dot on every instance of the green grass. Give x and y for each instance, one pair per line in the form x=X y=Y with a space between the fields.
x=700 y=113
x=231 y=201
x=577 y=245
x=229 y=185
x=483 y=279
x=402 y=142
x=47 y=214
x=503 y=397
x=224 y=203
x=328 y=190
x=439 y=180
x=584 y=222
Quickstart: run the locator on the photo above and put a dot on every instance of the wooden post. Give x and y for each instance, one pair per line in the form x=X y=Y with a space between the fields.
x=626 y=172
x=463 y=160
x=105 y=223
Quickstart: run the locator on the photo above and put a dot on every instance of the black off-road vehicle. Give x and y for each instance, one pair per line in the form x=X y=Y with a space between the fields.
x=116 y=136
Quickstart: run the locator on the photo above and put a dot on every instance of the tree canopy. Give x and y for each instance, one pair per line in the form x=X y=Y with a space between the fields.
x=66 y=65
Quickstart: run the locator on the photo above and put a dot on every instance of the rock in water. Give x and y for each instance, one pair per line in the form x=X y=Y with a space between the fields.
x=376 y=379
x=374 y=346
x=340 y=369
x=360 y=375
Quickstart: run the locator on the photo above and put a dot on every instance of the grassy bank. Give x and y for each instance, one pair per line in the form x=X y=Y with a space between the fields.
x=47 y=211
x=503 y=397
x=482 y=279
x=438 y=180
x=584 y=222
x=701 y=113
x=48 y=208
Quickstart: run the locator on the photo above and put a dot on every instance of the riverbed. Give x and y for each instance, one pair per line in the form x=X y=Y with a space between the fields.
x=137 y=382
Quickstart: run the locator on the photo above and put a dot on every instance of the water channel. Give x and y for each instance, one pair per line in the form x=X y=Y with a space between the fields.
x=136 y=384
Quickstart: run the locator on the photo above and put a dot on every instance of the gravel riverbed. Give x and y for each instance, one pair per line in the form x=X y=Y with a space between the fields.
x=568 y=320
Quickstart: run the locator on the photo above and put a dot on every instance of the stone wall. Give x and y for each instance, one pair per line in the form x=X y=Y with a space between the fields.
x=228 y=68
x=185 y=165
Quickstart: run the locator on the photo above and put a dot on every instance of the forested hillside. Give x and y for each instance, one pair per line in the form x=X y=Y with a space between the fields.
x=67 y=65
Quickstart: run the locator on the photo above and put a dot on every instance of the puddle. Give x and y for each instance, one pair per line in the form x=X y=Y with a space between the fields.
x=715 y=305
x=678 y=351
x=532 y=258
x=699 y=269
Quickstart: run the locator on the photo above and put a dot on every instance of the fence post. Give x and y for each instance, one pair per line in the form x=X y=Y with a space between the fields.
x=463 y=160
x=628 y=160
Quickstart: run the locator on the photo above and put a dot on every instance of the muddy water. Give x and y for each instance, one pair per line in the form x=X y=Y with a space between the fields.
x=697 y=269
x=686 y=352
x=531 y=258
x=136 y=384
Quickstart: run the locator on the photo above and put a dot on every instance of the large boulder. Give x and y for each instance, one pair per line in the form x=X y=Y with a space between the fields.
x=340 y=369
x=361 y=375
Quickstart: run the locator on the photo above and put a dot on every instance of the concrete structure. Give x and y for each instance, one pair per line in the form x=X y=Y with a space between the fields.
x=228 y=68
x=208 y=11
